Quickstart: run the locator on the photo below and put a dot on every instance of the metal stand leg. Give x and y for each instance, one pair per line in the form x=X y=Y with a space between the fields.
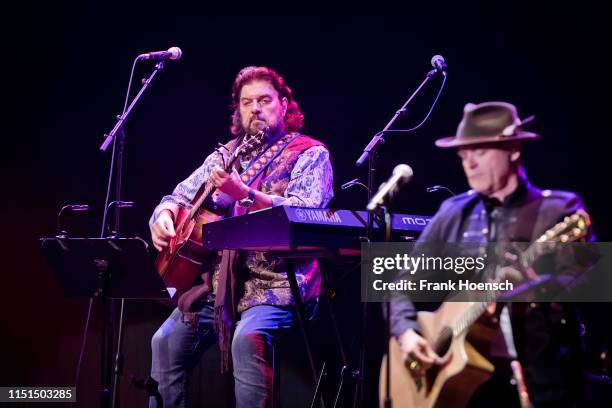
x=118 y=371
x=317 y=393
x=299 y=309
x=323 y=266
x=276 y=372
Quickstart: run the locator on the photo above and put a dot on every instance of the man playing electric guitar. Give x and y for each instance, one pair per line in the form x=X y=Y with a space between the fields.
x=501 y=207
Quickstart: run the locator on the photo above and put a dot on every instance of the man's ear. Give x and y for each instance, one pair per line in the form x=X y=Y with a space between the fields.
x=515 y=151
x=284 y=103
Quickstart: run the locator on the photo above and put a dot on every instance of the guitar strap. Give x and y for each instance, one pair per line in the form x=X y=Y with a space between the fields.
x=253 y=170
x=523 y=230
x=261 y=162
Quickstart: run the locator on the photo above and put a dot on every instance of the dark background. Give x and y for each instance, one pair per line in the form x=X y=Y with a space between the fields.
x=349 y=74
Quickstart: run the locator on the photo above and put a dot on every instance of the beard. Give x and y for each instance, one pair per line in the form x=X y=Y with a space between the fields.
x=272 y=132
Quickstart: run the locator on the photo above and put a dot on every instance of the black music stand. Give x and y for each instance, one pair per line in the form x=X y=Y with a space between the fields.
x=104 y=268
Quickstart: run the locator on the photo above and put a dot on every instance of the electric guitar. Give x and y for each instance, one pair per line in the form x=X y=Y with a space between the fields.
x=448 y=332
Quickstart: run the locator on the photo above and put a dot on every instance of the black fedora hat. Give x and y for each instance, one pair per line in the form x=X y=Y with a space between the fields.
x=488 y=122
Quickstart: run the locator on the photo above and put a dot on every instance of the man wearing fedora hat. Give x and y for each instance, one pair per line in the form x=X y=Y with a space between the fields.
x=502 y=206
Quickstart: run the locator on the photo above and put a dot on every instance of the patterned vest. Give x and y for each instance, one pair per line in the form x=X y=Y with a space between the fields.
x=264 y=280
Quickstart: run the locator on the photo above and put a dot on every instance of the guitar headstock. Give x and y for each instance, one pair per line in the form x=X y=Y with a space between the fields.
x=253 y=141
x=573 y=228
x=249 y=143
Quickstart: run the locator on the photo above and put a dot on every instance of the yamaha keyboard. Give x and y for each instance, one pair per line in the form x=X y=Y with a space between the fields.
x=287 y=228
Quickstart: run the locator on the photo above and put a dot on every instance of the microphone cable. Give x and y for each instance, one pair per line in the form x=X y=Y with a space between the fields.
x=433 y=105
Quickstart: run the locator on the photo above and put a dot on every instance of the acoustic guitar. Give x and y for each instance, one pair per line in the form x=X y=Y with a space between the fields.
x=448 y=332
x=179 y=263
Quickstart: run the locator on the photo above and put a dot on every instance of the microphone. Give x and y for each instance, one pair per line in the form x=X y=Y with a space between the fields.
x=437 y=61
x=402 y=174
x=173 y=53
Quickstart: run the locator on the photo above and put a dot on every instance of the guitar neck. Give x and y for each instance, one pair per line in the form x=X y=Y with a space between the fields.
x=209 y=188
x=525 y=259
x=239 y=147
x=571 y=229
x=535 y=251
x=469 y=317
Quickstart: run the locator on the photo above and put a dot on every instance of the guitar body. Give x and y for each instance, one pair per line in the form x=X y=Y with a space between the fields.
x=179 y=264
x=449 y=385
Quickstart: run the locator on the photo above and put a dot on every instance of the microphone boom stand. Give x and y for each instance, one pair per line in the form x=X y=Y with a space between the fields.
x=370 y=153
x=119 y=125
x=116 y=133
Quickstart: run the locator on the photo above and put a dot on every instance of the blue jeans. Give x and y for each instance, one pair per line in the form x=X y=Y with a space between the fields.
x=176 y=348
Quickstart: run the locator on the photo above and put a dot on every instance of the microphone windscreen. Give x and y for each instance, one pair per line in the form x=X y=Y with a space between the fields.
x=176 y=53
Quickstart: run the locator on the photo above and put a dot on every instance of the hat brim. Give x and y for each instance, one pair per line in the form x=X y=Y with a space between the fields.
x=454 y=141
